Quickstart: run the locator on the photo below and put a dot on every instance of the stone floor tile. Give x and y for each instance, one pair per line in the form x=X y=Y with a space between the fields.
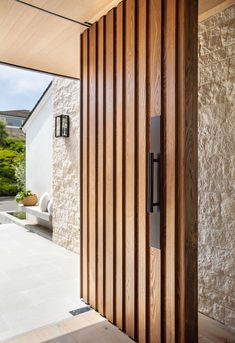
x=63 y=339
x=50 y=332
x=39 y=284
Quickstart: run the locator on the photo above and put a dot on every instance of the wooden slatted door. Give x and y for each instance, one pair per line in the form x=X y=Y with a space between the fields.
x=121 y=90
x=128 y=60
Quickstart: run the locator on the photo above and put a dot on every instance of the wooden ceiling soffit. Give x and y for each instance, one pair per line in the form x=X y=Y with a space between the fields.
x=35 y=39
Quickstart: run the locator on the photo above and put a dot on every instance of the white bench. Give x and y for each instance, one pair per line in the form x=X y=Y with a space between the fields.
x=35 y=211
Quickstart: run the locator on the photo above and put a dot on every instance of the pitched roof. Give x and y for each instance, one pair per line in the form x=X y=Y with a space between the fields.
x=37 y=103
x=15 y=113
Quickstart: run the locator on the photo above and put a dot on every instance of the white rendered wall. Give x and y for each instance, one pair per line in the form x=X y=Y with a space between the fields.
x=39 y=148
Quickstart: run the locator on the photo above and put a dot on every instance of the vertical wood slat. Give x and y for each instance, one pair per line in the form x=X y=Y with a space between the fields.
x=180 y=302
x=100 y=166
x=109 y=193
x=169 y=122
x=92 y=166
x=138 y=311
x=130 y=289
x=120 y=245
x=154 y=88
x=84 y=171
x=81 y=165
x=155 y=56
x=155 y=296
x=132 y=151
x=186 y=173
x=143 y=246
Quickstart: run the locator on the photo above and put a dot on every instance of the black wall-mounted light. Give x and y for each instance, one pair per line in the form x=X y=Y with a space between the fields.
x=62 y=126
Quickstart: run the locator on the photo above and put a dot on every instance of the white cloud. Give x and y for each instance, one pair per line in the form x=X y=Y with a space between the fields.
x=18 y=81
x=21 y=88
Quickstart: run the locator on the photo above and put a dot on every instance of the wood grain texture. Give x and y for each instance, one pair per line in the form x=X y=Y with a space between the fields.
x=92 y=166
x=169 y=141
x=187 y=173
x=120 y=245
x=130 y=289
x=154 y=106
x=206 y=5
x=155 y=53
x=84 y=173
x=77 y=10
x=155 y=296
x=109 y=168
x=101 y=167
x=212 y=10
x=143 y=247
x=137 y=62
x=81 y=168
x=180 y=275
x=34 y=39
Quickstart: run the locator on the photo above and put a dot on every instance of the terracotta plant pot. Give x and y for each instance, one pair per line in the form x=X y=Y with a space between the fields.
x=31 y=200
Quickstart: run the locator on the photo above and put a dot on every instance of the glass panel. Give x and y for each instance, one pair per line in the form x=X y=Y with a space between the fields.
x=65 y=126
x=14 y=121
x=57 y=127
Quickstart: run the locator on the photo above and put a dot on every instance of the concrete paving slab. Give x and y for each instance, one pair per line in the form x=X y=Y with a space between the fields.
x=8 y=204
x=39 y=281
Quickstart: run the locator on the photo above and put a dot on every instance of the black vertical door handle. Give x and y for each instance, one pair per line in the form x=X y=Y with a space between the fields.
x=150 y=198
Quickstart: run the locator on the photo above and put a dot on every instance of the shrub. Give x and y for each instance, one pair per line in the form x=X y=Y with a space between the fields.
x=15 y=144
x=7 y=186
x=3 y=133
x=8 y=180
x=20 y=172
x=12 y=163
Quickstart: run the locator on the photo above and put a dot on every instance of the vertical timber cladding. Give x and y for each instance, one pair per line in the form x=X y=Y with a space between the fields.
x=137 y=62
x=121 y=91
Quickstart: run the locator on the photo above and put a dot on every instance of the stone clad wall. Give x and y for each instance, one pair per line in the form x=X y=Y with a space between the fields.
x=217 y=167
x=66 y=192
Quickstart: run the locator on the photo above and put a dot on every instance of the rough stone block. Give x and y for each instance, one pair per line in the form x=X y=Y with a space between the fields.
x=218 y=313
x=66 y=190
x=230 y=318
x=210 y=204
x=216 y=181
x=228 y=206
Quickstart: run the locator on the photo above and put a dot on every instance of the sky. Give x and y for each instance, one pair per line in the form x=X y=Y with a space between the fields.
x=20 y=89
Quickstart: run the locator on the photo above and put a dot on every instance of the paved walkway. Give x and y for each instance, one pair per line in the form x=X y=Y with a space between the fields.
x=211 y=331
x=88 y=327
x=39 y=281
x=8 y=204
x=39 y=285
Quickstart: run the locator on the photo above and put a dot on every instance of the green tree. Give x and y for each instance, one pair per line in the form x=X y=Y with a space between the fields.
x=15 y=144
x=3 y=133
x=8 y=182
x=12 y=164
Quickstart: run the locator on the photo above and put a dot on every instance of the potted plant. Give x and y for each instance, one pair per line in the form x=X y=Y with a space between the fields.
x=26 y=198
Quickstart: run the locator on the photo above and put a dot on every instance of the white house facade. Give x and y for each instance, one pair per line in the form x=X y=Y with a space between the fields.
x=52 y=163
x=38 y=129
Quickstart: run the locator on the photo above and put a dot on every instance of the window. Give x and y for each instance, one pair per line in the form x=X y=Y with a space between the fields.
x=12 y=121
